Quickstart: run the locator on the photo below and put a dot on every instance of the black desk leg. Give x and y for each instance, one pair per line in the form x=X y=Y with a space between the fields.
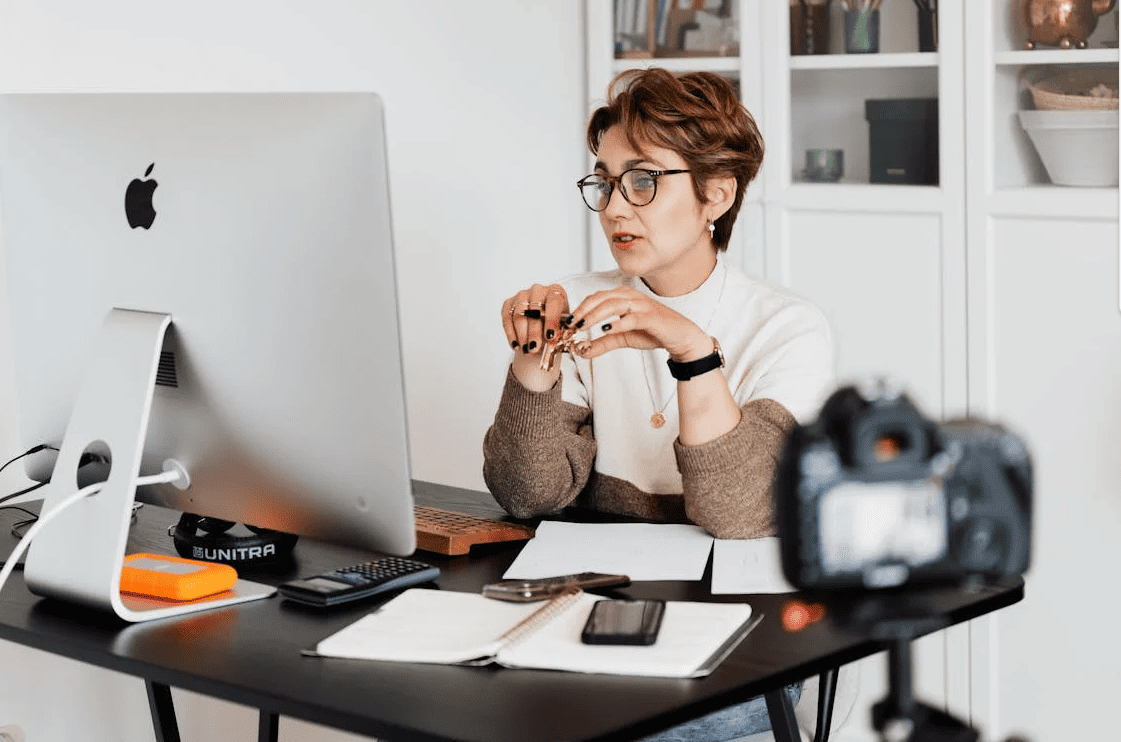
x=784 y=727
x=826 y=693
x=163 y=712
x=268 y=728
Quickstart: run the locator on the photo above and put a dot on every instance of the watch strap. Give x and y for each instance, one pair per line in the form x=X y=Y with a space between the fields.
x=685 y=370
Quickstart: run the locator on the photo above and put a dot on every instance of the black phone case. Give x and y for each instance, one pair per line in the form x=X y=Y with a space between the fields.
x=608 y=624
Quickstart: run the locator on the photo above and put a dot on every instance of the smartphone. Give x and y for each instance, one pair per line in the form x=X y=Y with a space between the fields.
x=528 y=591
x=624 y=622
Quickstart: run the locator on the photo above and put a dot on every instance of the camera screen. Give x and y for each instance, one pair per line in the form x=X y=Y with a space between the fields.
x=882 y=524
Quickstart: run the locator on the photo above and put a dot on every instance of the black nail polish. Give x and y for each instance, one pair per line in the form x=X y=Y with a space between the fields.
x=606 y=327
x=579 y=324
x=532 y=344
x=549 y=334
x=533 y=313
x=514 y=344
x=566 y=320
x=525 y=348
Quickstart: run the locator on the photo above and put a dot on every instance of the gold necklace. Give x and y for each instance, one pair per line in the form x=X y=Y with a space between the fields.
x=658 y=419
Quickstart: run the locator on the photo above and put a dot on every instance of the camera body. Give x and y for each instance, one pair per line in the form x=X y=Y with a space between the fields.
x=874 y=496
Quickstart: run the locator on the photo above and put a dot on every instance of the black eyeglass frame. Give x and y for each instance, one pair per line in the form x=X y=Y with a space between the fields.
x=613 y=181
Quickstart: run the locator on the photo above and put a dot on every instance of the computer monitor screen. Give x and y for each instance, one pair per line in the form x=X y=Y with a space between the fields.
x=260 y=223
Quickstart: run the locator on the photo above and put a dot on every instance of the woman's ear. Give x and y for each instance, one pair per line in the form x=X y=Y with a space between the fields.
x=721 y=192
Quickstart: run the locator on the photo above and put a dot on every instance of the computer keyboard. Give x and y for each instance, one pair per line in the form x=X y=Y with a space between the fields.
x=451 y=533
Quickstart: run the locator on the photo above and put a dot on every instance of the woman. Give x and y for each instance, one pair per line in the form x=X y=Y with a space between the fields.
x=677 y=403
x=611 y=427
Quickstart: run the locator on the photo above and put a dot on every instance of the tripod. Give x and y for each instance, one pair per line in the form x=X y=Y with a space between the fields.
x=900 y=717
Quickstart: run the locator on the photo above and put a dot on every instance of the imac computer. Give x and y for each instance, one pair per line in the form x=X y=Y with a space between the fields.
x=203 y=283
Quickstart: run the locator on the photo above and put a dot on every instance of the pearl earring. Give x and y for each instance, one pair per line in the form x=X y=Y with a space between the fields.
x=711 y=228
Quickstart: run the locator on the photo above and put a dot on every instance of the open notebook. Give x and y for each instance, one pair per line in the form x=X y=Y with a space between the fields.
x=435 y=626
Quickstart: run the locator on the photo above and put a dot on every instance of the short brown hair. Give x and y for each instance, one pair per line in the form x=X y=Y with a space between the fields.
x=699 y=116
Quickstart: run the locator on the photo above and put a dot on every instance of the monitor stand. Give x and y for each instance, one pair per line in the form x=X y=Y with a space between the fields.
x=77 y=557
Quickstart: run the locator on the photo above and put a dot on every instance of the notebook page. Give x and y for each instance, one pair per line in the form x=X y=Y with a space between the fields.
x=691 y=635
x=423 y=625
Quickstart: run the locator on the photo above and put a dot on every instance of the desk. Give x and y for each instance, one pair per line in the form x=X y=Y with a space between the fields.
x=250 y=654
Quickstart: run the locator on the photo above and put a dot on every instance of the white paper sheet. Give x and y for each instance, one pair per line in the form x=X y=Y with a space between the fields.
x=748 y=566
x=642 y=551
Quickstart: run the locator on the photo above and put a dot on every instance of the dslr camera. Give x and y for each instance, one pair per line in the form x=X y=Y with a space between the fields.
x=873 y=496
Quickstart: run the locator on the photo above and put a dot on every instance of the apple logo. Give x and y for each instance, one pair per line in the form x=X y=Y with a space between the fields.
x=138 y=201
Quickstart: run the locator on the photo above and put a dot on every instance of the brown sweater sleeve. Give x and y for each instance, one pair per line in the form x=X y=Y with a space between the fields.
x=539 y=452
x=729 y=482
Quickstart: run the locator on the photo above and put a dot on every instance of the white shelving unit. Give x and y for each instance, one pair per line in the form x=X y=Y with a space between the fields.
x=1010 y=173
x=1042 y=270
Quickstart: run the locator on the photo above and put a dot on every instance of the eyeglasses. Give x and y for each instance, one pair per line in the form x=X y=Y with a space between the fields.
x=638 y=186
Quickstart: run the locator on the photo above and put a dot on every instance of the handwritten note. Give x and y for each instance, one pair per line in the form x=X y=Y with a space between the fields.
x=642 y=551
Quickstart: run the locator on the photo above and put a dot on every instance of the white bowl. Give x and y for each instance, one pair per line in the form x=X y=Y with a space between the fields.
x=1078 y=148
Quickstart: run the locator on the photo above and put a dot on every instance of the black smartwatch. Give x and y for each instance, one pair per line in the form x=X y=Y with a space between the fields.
x=689 y=369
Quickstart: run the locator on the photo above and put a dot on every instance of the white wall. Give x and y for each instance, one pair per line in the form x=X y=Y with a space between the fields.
x=482 y=99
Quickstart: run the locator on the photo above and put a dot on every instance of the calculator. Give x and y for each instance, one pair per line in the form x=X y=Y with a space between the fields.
x=359 y=581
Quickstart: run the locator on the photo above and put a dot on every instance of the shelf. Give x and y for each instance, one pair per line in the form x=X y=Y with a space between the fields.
x=723 y=65
x=1056 y=56
x=853 y=196
x=1051 y=201
x=863 y=61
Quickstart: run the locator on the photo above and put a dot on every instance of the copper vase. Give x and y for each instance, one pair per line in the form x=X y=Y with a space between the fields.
x=1062 y=23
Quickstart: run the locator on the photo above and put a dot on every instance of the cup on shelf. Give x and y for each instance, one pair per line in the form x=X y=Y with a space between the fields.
x=825 y=165
x=809 y=27
x=862 y=31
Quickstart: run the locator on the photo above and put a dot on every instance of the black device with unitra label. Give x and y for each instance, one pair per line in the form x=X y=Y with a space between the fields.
x=624 y=622
x=359 y=581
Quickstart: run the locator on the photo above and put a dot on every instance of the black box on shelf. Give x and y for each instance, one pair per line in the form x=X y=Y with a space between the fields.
x=902 y=140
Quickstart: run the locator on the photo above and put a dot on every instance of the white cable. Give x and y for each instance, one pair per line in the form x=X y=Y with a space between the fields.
x=45 y=518
x=165 y=477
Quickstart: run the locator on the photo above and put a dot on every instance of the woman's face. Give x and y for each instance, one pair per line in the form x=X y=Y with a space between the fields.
x=666 y=242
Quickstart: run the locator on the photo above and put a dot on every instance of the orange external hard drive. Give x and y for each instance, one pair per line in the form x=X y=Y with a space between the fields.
x=173 y=578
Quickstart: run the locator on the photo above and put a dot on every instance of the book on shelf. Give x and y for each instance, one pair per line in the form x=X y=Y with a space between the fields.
x=443 y=627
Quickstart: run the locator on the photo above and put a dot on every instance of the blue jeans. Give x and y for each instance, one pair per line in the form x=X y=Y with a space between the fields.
x=741 y=720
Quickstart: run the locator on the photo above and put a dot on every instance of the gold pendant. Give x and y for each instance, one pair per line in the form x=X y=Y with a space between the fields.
x=657 y=419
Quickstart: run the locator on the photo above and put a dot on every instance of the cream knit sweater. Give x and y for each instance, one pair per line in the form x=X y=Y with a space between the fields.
x=588 y=441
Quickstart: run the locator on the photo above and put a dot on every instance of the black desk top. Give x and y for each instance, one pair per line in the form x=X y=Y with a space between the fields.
x=250 y=654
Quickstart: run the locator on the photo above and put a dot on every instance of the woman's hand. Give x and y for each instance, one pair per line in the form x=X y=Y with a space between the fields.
x=631 y=319
x=531 y=320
